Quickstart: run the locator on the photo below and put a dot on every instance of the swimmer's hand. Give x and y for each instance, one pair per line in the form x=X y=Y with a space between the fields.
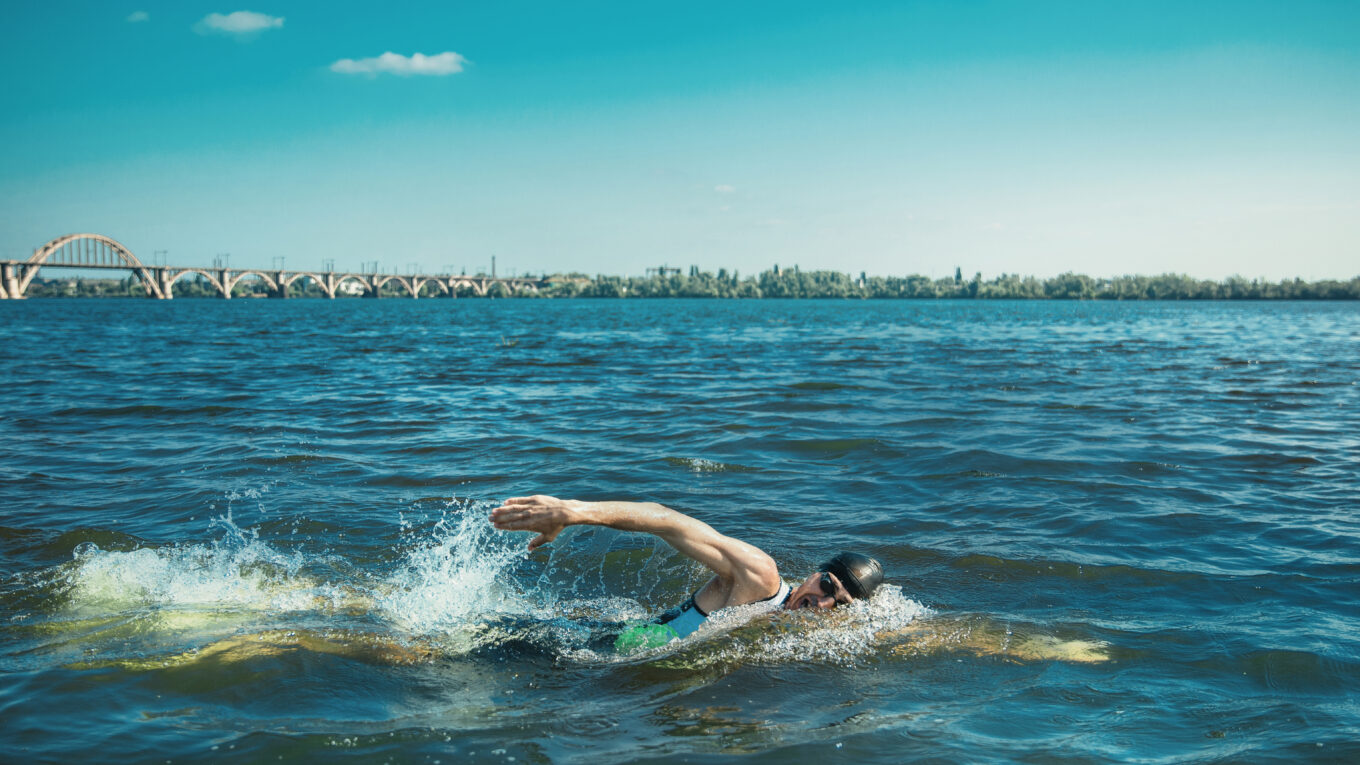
x=544 y=514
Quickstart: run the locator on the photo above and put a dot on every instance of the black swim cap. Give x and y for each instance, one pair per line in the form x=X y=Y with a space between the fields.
x=860 y=574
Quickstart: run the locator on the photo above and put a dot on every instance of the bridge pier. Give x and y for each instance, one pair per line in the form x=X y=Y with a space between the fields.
x=222 y=280
x=282 y=291
x=163 y=281
x=9 y=283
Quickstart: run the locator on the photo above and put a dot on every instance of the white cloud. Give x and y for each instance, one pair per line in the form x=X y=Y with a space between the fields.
x=137 y=16
x=237 y=23
x=444 y=63
x=723 y=188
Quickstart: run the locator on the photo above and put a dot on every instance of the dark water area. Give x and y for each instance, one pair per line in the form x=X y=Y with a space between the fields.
x=255 y=530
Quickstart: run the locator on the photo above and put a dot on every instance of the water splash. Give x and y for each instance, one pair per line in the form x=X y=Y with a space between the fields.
x=457 y=577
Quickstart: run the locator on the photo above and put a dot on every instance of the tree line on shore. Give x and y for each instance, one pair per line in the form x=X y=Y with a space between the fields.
x=796 y=283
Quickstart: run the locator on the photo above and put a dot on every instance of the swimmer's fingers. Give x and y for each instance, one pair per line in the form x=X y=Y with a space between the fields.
x=533 y=519
x=516 y=507
x=543 y=539
x=540 y=500
x=511 y=519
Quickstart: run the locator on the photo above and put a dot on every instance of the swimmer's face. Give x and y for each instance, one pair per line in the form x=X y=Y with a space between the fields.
x=821 y=590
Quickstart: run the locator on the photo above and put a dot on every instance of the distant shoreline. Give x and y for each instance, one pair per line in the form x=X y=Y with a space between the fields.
x=798 y=284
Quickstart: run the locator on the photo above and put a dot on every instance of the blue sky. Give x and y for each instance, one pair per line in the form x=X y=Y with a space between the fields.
x=1033 y=137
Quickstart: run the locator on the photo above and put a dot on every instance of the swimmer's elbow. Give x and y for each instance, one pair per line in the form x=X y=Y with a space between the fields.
x=761 y=570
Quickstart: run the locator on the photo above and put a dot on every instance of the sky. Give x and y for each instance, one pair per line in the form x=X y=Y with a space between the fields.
x=893 y=138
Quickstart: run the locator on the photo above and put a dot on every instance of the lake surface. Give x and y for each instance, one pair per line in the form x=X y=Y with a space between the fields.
x=257 y=530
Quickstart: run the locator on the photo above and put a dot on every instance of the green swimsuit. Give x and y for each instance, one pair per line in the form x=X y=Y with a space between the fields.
x=683 y=621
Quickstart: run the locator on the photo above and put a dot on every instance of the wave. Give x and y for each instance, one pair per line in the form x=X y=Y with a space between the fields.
x=146 y=410
x=699 y=465
x=832 y=448
x=819 y=385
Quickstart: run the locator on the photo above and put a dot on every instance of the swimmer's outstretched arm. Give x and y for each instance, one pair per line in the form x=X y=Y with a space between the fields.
x=738 y=564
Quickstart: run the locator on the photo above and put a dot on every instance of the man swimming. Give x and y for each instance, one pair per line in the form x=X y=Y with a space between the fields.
x=742 y=573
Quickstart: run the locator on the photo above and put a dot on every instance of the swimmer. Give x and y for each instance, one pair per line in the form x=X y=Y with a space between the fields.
x=742 y=573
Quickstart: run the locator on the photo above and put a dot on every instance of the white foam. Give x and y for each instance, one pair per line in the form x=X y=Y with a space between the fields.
x=239 y=572
x=846 y=635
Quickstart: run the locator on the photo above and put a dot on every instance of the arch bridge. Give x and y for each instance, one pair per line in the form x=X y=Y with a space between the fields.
x=96 y=251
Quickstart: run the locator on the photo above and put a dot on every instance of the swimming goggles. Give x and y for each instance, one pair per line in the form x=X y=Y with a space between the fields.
x=828 y=586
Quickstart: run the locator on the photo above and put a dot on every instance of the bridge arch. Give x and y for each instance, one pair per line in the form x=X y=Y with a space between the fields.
x=362 y=281
x=88 y=250
x=477 y=286
x=419 y=284
x=170 y=280
x=403 y=281
x=233 y=280
x=317 y=279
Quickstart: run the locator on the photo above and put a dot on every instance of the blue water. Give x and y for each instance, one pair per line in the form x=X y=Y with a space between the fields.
x=256 y=529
